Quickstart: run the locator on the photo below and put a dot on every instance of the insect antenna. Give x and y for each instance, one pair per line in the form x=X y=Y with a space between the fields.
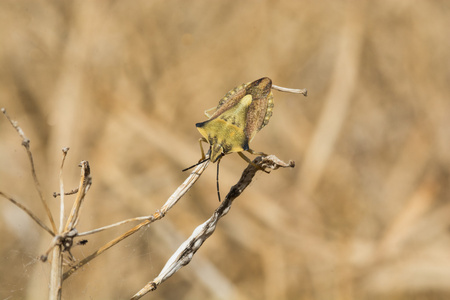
x=200 y=162
x=217 y=180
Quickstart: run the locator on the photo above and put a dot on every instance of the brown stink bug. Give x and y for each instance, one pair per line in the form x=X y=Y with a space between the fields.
x=241 y=113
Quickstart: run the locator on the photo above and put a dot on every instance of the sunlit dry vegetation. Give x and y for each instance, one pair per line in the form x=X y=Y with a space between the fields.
x=365 y=214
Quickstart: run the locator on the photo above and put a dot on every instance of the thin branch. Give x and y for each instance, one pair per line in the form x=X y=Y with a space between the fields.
x=105 y=247
x=186 y=251
x=26 y=144
x=29 y=212
x=55 y=284
x=61 y=190
x=304 y=92
x=85 y=184
x=144 y=218
x=74 y=191
x=159 y=214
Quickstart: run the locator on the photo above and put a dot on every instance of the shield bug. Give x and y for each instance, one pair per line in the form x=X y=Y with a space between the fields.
x=241 y=113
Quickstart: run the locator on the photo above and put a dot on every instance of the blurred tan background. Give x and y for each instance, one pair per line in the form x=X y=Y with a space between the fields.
x=365 y=214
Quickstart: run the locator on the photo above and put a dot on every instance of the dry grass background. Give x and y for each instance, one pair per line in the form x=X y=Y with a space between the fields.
x=364 y=215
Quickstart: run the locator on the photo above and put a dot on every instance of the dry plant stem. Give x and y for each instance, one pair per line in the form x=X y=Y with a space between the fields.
x=56 y=274
x=65 y=237
x=26 y=144
x=55 y=285
x=304 y=92
x=186 y=251
x=74 y=191
x=144 y=218
x=61 y=190
x=105 y=247
x=26 y=210
x=159 y=214
x=85 y=184
x=173 y=199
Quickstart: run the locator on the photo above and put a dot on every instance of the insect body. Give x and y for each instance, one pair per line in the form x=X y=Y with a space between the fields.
x=238 y=117
x=241 y=113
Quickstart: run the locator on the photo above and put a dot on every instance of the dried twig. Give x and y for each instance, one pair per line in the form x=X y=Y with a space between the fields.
x=26 y=144
x=159 y=214
x=62 y=238
x=74 y=191
x=55 y=285
x=85 y=184
x=186 y=251
x=61 y=190
x=304 y=92
x=29 y=212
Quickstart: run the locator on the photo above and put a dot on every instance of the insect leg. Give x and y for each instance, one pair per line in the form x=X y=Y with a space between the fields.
x=256 y=153
x=201 y=147
x=250 y=162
